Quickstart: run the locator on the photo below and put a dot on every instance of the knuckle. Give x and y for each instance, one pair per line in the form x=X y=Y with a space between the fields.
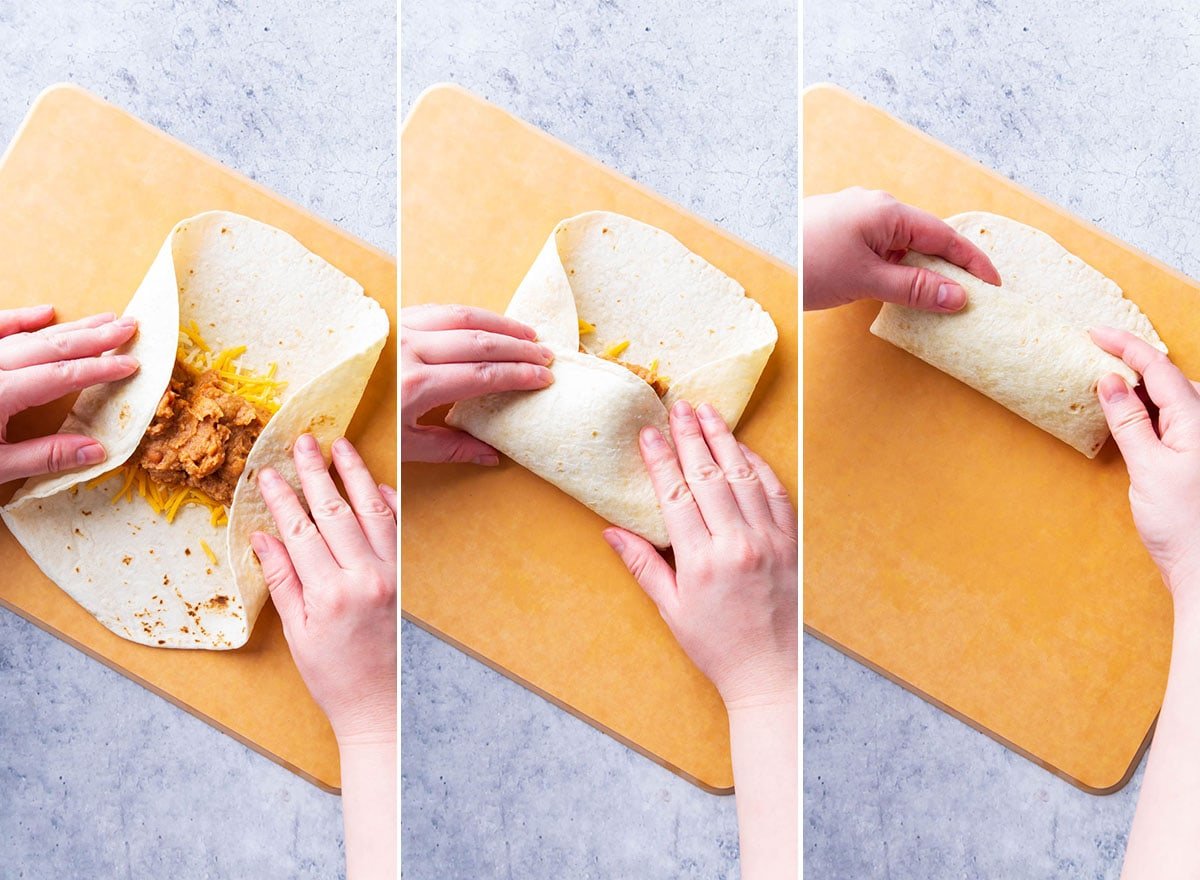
x=459 y=315
x=56 y=457
x=677 y=493
x=706 y=472
x=741 y=474
x=916 y=284
x=331 y=508
x=381 y=590
x=486 y=374
x=484 y=344
x=374 y=507
x=413 y=383
x=748 y=554
x=299 y=526
x=64 y=371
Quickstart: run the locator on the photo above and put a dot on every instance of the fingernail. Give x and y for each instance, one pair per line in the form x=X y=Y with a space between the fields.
x=951 y=297
x=706 y=411
x=1113 y=388
x=342 y=446
x=126 y=322
x=614 y=540
x=682 y=409
x=259 y=542
x=127 y=362
x=387 y=490
x=531 y=334
x=547 y=376
x=307 y=444
x=651 y=437
x=268 y=479
x=93 y=453
x=547 y=354
x=487 y=459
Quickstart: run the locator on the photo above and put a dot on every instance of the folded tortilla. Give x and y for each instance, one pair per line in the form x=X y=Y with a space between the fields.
x=657 y=305
x=1024 y=344
x=240 y=283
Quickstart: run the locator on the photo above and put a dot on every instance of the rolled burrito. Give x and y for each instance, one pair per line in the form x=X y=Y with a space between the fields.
x=1024 y=344
x=636 y=322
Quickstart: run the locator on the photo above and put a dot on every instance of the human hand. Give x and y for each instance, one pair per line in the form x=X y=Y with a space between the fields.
x=333 y=580
x=731 y=602
x=1164 y=465
x=855 y=239
x=451 y=353
x=40 y=362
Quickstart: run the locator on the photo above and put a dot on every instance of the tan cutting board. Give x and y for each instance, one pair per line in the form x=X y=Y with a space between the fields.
x=497 y=562
x=87 y=195
x=949 y=544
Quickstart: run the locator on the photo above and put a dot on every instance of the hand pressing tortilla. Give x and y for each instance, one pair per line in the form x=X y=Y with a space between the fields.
x=1024 y=344
x=636 y=322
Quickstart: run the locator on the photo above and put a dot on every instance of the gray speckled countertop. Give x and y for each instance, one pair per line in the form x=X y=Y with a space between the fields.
x=697 y=101
x=1095 y=109
x=99 y=777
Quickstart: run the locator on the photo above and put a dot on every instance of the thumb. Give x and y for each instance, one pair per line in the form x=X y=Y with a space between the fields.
x=646 y=564
x=436 y=444
x=1127 y=419
x=48 y=455
x=284 y=584
x=918 y=289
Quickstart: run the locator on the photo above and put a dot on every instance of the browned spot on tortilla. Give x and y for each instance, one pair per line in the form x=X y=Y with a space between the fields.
x=183 y=629
x=86 y=512
x=79 y=533
x=166 y=581
x=125 y=560
x=187 y=551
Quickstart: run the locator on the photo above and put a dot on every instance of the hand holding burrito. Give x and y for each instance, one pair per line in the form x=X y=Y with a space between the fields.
x=1025 y=345
x=855 y=239
x=452 y=353
x=41 y=363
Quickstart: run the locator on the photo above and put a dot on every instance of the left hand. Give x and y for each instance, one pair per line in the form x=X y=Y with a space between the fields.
x=333 y=580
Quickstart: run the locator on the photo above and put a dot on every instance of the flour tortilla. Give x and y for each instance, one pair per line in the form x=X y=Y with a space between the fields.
x=1024 y=344
x=243 y=283
x=632 y=282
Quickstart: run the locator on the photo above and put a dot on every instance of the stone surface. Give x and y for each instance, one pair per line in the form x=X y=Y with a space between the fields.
x=99 y=777
x=697 y=101
x=1096 y=110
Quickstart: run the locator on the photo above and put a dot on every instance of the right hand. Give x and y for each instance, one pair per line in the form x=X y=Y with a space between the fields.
x=732 y=599
x=40 y=363
x=1164 y=466
x=451 y=353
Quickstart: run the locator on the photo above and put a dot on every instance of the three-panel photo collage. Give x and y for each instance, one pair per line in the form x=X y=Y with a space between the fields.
x=599 y=440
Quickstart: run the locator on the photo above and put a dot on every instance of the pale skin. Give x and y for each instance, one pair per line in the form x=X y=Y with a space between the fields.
x=41 y=361
x=854 y=241
x=332 y=577
x=731 y=600
x=1164 y=495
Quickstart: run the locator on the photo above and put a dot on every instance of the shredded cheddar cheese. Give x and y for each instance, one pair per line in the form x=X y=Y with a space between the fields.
x=585 y=328
x=616 y=349
x=208 y=551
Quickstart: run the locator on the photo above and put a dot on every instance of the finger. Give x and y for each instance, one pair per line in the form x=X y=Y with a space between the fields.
x=917 y=288
x=647 y=566
x=330 y=512
x=706 y=479
x=25 y=320
x=1165 y=383
x=81 y=324
x=442 y=445
x=442 y=317
x=375 y=515
x=389 y=498
x=307 y=549
x=28 y=349
x=432 y=386
x=48 y=455
x=472 y=346
x=33 y=386
x=778 y=499
x=685 y=525
x=742 y=478
x=1127 y=419
x=923 y=232
x=286 y=590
